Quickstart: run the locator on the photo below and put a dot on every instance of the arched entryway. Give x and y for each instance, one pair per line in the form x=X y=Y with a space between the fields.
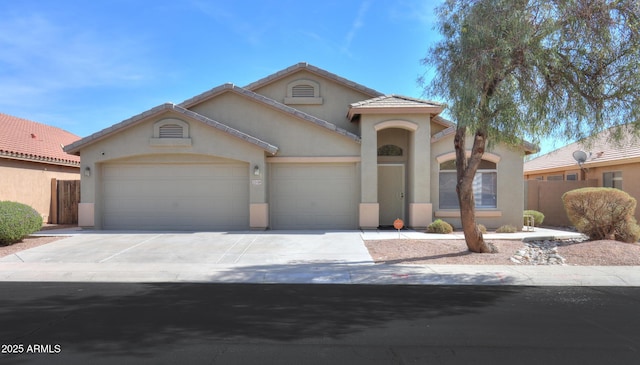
x=393 y=153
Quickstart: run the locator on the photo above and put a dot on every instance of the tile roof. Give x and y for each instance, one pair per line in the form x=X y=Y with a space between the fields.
x=78 y=145
x=23 y=139
x=395 y=103
x=269 y=102
x=602 y=151
x=318 y=71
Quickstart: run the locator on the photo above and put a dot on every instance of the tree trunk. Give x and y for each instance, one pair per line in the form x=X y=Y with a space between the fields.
x=466 y=171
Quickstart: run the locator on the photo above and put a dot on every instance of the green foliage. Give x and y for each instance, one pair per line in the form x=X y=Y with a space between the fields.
x=507 y=228
x=538 y=217
x=602 y=213
x=514 y=70
x=439 y=226
x=17 y=221
x=539 y=67
x=482 y=228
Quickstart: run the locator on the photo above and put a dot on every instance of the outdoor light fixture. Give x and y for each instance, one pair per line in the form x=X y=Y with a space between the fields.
x=256 y=170
x=87 y=171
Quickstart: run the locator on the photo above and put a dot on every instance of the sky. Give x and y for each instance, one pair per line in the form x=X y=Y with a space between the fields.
x=85 y=65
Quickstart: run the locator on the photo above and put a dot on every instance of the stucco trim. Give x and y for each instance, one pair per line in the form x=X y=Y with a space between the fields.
x=170 y=142
x=403 y=124
x=315 y=159
x=452 y=155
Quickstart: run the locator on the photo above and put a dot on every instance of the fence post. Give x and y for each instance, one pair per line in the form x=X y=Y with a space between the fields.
x=53 y=209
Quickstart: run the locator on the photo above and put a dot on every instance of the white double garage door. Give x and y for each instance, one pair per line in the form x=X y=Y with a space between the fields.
x=216 y=196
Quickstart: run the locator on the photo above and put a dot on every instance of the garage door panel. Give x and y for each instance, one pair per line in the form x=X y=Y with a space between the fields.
x=313 y=196
x=176 y=196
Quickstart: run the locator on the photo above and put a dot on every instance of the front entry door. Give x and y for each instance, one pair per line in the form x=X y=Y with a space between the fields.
x=390 y=193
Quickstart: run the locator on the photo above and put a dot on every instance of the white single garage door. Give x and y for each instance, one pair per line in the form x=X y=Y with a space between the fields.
x=175 y=196
x=313 y=196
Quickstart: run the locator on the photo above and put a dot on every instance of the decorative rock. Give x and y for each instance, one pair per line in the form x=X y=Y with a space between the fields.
x=539 y=253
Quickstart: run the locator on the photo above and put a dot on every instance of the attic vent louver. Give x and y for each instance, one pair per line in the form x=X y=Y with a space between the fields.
x=303 y=91
x=170 y=131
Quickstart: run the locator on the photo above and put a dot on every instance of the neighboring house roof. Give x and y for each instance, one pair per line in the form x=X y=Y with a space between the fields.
x=394 y=104
x=601 y=151
x=268 y=102
x=22 y=139
x=313 y=69
x=78 y=145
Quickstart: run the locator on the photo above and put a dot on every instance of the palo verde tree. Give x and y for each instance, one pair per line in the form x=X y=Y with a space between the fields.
x=520 y=70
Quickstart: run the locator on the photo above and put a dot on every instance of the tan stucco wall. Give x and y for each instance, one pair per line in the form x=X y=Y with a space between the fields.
x=336 y=98
x=208 y=144
x=293 y=136
x=30 y=182
x=510 y=200
x=630 y=177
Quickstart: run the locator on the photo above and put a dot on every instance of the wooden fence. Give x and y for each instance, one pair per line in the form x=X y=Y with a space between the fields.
x=65 y=196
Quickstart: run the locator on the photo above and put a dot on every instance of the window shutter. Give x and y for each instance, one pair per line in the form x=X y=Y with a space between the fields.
x=170 y=131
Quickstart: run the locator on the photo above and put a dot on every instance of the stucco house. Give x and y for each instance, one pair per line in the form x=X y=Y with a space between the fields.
x=31 y=155
x=608 y=163
x=302 y=148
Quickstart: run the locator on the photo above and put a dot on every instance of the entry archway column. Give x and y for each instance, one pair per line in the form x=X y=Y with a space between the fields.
x=369 y=208
x=420 y=207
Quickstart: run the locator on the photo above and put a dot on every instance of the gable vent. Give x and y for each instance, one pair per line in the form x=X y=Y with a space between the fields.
x=170 y=131
x=303 y=91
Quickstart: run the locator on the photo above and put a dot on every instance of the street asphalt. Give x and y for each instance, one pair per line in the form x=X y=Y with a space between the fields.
x=285 y=257
x=190 y=323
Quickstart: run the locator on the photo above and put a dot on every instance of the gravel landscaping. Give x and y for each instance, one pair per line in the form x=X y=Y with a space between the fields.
x=454 y=252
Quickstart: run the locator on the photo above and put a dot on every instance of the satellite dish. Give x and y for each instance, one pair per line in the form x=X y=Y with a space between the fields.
x=580 y=157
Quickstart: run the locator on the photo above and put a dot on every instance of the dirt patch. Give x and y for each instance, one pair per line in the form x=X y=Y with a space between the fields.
x=454 y=252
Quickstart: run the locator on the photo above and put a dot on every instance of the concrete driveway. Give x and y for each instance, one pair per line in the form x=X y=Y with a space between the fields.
x=210 y=248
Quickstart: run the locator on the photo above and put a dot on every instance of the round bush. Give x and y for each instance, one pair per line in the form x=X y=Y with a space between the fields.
x=507 y=229
x=482 y=228
x=17 y=221
x=602 y=213
x=538 y=217
x=439 y=226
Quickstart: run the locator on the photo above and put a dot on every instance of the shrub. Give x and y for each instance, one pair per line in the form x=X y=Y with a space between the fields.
x=482 y=228
x=439 y=226
x=602 y=213
x=17 y=221
x=538 y=217
x=507 y=228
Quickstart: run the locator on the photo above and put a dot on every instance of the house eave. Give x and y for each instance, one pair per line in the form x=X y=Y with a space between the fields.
x=433 y=110
x=75 y=147
x=38 y=159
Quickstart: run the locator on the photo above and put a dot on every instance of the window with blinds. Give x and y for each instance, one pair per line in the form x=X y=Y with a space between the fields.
x=485 y=185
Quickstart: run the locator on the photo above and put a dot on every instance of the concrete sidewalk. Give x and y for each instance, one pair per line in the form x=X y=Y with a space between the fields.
x=275 y=257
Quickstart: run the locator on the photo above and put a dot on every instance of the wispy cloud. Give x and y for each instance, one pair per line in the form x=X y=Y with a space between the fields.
x=41 y=57
x=250 y=32
x=358 y=23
